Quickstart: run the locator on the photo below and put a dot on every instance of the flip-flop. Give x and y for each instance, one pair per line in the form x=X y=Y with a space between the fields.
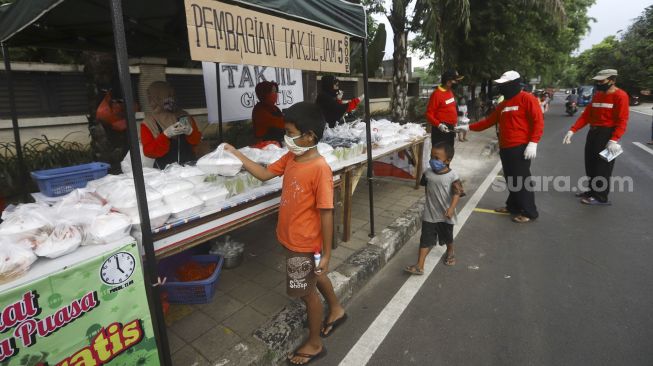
x=449 y=260
x=502 y=210
x=582 y=194
x=591 y=201
x=413 y=270
x=333 y=326
x=310 y=358
x=521 y=219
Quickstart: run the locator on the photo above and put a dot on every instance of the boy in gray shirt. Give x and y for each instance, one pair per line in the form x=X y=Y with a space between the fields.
x=443 y=191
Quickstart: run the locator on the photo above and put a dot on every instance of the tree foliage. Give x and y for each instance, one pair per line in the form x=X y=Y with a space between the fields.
x=631 y=54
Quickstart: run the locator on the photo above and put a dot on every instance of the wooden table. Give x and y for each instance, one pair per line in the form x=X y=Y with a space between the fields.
x=263 y=201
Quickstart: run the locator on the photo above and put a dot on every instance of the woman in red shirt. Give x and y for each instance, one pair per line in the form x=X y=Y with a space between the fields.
x=168 y=133
x=266 y=116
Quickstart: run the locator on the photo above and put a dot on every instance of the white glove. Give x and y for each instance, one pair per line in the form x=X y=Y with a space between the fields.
x=613 y=147
x=361 y=97
x=443 y=128
x=173 y=131
x=531 y=151
x=567 y=139
x=462 y=128
x=339 y=95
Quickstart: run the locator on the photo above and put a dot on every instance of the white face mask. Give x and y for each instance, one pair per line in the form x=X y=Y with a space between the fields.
x=293 y=147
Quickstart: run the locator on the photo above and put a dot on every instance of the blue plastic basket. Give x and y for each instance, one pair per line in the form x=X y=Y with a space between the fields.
x=193 y=292
x=60 y=181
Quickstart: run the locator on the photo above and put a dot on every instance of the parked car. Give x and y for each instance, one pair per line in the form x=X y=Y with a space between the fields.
x=633 y=99
x=585 y=93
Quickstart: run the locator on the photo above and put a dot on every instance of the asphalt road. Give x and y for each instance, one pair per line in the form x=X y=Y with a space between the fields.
x=574 y=287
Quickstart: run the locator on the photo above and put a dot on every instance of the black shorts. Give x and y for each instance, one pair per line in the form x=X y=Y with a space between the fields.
x=435 y=233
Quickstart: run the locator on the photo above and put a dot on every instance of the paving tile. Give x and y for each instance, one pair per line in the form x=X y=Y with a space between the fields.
x=245 y=321
x=174 y=341
x=246 y=291
x=213 y=344
x=269 y=278
x=275 y=261
x=341 y=252
x=193 y=326
x=177 y=312
x=270 y=303
x=188 y=356
x=248 y=268
x=229 y=280
x=222 y=307
x=355 y=243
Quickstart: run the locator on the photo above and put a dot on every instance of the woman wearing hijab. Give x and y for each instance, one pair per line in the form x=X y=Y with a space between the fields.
x=168 y=133
x=330 y=101
x=266 y=116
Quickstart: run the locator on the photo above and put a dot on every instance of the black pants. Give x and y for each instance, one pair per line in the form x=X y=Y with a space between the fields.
x=438 y=137
x=517 y=170
x=598 y=171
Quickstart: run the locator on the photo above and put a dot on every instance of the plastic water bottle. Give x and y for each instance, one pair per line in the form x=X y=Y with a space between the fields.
x=317 y=256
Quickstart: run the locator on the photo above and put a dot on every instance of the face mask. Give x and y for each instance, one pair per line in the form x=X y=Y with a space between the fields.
x=437 y=165
x=293 y=147
x=603 y=87
x=509 y=89
x=169 y=104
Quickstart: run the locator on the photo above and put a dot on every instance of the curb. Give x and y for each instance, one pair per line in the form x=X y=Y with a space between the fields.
x=285 y=331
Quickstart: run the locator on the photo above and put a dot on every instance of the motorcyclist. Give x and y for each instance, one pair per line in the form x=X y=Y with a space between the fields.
x=572 y=98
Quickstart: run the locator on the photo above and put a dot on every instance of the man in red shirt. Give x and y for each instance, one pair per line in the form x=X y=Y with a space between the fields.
x=521 y=125
x=441 y=111
x=607 y=116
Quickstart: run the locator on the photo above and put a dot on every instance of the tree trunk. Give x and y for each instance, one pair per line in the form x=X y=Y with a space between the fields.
x=399 y=102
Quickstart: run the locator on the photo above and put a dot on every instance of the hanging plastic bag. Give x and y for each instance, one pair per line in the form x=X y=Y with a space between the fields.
x=220 y=162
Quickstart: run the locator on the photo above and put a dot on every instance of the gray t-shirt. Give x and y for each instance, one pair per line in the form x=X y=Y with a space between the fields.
x=440 y=188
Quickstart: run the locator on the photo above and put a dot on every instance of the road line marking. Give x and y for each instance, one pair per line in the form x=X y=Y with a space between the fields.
x=485 y=210
x=643 y=147
x=370 y=341
x=644 y=113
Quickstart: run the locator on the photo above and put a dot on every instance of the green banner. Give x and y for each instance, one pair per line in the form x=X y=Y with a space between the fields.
x=92 y=313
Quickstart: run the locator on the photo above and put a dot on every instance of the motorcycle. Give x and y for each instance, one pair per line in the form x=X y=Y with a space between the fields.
x=571 y=108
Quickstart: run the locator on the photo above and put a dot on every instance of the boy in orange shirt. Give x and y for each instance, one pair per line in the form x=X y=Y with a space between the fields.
x=305 y=222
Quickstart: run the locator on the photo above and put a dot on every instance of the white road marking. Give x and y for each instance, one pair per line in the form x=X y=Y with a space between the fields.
x=644 y=113
x=643 y=147
x=368 y=343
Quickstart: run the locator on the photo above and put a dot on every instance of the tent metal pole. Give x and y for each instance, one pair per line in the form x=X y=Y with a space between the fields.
x=149 y=265
x=14 y=123
x=220 y=136
x=368 y=136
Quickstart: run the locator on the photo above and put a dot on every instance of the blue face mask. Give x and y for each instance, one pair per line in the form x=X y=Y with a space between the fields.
x=437 y=165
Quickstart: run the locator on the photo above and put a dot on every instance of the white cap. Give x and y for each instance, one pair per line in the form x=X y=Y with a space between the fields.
x=604 y=74
x=507 y=76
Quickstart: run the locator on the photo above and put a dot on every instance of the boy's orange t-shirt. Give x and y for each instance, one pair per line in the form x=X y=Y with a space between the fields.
x=307 y=188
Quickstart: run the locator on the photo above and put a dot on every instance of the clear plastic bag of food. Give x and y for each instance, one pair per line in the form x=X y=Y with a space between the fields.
x=64 y=239
x=220 y=162
x=107 y=228
x=190 y=173
x=24 y=221
x=228 y=248
x=15 y=260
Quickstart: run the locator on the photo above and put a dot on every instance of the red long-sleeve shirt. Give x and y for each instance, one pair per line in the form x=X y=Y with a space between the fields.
x=520 y=121
x=159 y=146
x=606 y=110
x=442 y=107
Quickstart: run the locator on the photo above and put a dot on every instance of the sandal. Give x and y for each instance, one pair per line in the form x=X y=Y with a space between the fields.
x=594 y=202
x=332 y=326
x=502 y=210
x=582 y=194
x=450 y=260
x=521 y=219
x=414 y=270
x=309 y=358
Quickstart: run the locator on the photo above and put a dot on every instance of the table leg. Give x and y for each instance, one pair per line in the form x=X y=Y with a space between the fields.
x=420 y=163
x=346 y=212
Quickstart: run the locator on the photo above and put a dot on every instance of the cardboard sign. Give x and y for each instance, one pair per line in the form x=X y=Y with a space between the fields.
x=224 y=33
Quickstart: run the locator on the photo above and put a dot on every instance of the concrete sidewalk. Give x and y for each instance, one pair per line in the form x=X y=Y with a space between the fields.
x=644 y=108
x=252 y=321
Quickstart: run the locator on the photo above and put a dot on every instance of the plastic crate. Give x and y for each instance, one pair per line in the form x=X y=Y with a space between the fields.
x=192 y=292
x=60 y=181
